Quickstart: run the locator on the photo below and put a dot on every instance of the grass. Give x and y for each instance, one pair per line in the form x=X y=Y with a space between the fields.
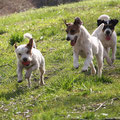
x=68 y=93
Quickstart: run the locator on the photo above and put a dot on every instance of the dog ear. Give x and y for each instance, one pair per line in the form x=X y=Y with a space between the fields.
x=100 y=22
x=67 y=24
x=30 y=44
x=15 y=45
x=114 y=21
x=78 y=21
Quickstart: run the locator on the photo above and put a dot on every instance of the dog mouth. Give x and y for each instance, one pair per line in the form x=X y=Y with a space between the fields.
x=108 y=37
x=73 y=41
x=27 y=63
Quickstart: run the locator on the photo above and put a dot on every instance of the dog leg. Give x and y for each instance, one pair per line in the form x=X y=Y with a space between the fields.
x=19 y=72
x=113 y=54
x=87 y=61
x=42 y=71
x=107 y=58
x=29 y=82
x=75 y=59
x=29 y=71
x=100 y=64
x=107 y=50
x=27 y=76
x=93 y=70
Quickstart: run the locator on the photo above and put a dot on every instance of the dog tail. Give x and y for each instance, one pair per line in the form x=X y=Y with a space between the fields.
x=97 y=31
x=29 y=36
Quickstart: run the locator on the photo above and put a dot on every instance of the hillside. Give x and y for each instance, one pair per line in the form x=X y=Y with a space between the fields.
x=11 y=6
x=68 y=93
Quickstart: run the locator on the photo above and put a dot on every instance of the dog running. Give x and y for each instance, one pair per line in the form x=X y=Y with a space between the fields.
x=30 y=58
x=84 y=45
x=106 y=33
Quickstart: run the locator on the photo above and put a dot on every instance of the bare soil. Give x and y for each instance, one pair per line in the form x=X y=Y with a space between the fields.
x=11 y=6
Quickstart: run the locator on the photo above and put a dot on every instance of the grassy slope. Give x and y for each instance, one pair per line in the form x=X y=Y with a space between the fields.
x=68 y=93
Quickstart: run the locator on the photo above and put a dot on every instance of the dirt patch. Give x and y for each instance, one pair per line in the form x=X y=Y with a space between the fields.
x=11 y=6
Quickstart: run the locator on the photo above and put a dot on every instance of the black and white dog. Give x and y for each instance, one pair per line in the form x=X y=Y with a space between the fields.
x=105 y=32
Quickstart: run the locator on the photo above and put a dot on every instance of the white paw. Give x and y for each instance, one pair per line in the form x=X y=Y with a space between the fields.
x=84 y=69
x=76 y=66
x=113 y=59
x=42 y=83
x=109 y=62
x=93 y=71
x=19 y=81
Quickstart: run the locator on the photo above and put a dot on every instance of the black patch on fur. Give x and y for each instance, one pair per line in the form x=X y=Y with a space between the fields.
x=99 y=22
x=111 y=24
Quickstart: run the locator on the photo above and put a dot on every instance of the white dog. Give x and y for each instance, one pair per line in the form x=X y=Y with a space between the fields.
x=85 y=45
x=105 y=32
x=29 y=58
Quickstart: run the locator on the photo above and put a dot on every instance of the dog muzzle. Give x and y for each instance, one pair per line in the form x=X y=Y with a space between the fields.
x=108 y=37
x=73 y=41
x=27 y=63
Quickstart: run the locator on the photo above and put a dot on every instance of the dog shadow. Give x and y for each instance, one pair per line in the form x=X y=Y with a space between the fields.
x=14 y=93
x=118 y=33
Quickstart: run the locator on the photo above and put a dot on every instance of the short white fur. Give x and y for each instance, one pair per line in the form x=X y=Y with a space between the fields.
x=35 y=58
x=87 y=46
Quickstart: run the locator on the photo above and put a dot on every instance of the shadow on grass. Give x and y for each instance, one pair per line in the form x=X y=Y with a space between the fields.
x=14 y=93
x=41 y=3
x=2 y=32
x=118 y=33
x=75 y=103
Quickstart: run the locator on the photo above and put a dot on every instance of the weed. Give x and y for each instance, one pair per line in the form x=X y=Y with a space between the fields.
x=16 y=37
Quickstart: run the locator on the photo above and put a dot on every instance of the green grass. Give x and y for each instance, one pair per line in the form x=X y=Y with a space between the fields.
x=68 y=93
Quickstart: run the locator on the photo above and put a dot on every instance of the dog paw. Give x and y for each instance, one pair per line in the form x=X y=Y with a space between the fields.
x=112 y=60
x=93 y=72
x=42 y=84
x=76 y=66
x=19 y=81
x=84 y=70
x=109 y=61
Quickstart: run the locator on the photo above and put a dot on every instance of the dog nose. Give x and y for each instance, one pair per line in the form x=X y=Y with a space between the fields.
x=107 y=32
x=68 y=38
x=25 y=59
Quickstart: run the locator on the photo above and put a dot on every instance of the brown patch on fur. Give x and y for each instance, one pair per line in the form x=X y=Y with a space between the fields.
x=15 y=45
x=78 y=21
x=29 y=46
x=72 y=29
x=29 y=51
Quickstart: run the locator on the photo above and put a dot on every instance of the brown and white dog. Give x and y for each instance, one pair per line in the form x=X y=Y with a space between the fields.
x=105 y=32
x=30 y=58
x=84 y=45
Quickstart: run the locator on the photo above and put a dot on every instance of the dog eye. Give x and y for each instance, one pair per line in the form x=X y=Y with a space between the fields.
x=19 y=54
x=111 y=27
x=105 y=27
x=72 y=31
x=28 y=52
x=66 y=31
